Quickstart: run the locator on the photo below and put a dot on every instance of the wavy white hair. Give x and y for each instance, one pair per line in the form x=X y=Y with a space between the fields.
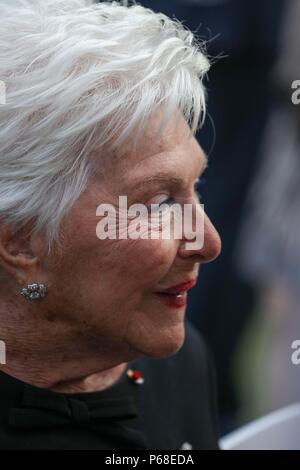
x=78 y=76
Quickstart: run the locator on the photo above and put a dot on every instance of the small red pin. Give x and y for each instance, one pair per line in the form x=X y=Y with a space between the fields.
x=135 y=376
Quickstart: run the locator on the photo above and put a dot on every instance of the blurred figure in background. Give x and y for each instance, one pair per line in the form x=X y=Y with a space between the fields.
x=245 y=34
x=269 y=254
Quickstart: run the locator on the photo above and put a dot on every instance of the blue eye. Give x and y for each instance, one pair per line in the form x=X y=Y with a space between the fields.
x=169 y=200
x=156 y=207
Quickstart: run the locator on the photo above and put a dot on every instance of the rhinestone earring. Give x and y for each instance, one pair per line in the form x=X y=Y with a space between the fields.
x=34 y=291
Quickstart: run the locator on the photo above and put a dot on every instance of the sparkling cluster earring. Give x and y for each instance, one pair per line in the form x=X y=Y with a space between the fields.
x=34 y=291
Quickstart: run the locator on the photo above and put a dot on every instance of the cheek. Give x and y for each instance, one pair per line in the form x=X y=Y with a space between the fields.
x=114 y=269
x=147 y=261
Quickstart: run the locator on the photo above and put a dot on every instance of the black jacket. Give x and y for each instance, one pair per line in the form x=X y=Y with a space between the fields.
x=174 y=407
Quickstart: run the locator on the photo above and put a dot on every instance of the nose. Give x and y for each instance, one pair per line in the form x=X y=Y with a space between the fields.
x=209 y=249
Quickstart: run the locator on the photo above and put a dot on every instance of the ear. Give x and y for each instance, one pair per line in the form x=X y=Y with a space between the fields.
x=19 y=253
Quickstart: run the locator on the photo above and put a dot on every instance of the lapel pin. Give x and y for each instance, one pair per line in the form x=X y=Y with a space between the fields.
x=135 y=376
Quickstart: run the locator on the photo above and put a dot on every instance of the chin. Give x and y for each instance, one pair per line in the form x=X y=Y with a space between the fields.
x=164 y=343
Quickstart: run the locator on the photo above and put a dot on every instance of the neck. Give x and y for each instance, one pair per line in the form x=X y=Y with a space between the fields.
x=46 y=352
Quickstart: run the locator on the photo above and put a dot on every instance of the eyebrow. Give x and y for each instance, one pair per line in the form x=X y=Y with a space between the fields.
x=163 y=177
x=159 y=178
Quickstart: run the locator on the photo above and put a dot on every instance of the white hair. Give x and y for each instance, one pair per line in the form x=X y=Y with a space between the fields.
x=78 y=76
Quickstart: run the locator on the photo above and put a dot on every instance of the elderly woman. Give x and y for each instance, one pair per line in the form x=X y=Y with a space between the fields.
x=102 y=101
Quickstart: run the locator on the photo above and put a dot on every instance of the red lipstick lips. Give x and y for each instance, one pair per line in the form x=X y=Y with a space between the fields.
x=184 y=286
x=176 y=296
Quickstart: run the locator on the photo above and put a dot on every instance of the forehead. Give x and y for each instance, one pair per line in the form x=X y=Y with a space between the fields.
x=173 y=152
x=175 y=133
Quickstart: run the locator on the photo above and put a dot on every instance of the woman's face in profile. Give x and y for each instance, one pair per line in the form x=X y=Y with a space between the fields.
x=108 y=288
